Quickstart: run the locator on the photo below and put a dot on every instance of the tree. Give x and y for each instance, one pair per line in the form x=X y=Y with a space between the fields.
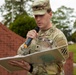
x=22 y=25
x=63 y=19
x=74 y=24
x=74 y=36
x=12 y=9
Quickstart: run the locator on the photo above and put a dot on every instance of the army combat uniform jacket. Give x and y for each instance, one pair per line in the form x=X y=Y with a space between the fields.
x=50 y=38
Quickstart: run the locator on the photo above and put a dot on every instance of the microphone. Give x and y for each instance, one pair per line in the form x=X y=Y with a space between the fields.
x=28 y=41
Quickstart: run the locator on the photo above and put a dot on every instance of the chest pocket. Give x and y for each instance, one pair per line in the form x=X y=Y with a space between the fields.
x=43 y=43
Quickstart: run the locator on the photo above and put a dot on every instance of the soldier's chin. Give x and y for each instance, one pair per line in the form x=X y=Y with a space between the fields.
x=40 y=26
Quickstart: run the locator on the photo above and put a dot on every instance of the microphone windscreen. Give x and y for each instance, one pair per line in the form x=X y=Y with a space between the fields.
x=37 y=29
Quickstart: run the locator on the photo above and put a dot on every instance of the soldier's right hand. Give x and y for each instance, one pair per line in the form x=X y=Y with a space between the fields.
x=32 y=34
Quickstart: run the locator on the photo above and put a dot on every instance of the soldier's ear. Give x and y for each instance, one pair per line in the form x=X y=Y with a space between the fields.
x=50 y=14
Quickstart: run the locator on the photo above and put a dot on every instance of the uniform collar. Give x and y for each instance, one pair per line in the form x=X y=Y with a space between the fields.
x=48 y=31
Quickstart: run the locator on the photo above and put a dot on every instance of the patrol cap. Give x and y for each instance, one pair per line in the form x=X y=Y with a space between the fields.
x=40 y=7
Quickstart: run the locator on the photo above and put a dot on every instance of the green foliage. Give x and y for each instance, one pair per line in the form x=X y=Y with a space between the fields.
x=75 y=24
x=74 y=36
x=62 y=18
x=22 y=25
x=12 y=8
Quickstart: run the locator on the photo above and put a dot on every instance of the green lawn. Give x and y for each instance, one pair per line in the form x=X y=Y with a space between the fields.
x=72 y=48
x=74 y=71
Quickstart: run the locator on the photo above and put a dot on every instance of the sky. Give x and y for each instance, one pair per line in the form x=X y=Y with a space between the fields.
x=58 y=3
x=55 y=4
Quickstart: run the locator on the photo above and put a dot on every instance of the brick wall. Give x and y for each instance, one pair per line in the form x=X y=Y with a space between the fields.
x=68 y=67
x=9 y=44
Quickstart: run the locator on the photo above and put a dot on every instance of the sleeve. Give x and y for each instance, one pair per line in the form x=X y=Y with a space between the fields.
x=31 y=68
x=22 y=50
x=61 y=41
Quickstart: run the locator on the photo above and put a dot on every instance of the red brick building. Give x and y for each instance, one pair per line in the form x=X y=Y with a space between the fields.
x=9 y=44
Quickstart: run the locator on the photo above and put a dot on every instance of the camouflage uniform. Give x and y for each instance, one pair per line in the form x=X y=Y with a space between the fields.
x=50 y=38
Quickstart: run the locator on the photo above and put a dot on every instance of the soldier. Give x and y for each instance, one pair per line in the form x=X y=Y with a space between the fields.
x=48 y=37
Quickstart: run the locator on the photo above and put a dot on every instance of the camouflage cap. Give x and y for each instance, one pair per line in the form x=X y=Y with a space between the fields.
x=40 y=7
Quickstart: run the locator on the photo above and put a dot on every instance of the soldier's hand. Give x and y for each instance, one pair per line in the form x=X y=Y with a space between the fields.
x=20 y=63
x=32 y=34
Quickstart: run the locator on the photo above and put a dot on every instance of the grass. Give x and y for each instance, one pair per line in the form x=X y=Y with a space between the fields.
x=74 y=72
x=72 y=48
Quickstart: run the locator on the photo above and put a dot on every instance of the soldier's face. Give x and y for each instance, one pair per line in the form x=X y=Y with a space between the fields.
x=43 y=21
